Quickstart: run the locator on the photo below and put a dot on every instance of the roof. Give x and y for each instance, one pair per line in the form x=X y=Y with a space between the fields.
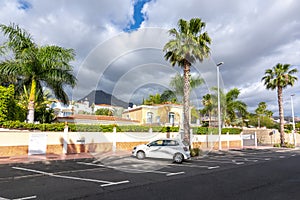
x=97 y=117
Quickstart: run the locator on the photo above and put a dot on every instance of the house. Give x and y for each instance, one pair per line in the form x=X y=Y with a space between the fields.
x=96 y=119
x=162 y=114
x=81 y=107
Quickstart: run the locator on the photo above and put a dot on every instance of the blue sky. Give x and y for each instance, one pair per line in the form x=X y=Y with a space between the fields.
x=138 y=16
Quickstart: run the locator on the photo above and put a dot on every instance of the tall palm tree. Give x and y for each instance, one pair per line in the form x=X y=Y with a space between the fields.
x=37 y=66
x=189 y=44
x=279 y=77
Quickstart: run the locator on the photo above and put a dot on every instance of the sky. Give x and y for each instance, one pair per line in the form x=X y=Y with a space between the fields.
x=119 y=43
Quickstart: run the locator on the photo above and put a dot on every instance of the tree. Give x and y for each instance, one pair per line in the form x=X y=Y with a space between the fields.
x=37 y=66
x=177 y=83
x=262 y=111
x=152 y=99
x=189 y=44
x=207 y=102
x=9 y=109
x=279 y=77
x=104 y=111
x=168 y=96
x=231 y=107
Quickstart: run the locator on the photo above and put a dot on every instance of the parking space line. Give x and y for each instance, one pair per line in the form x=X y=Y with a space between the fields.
x=70 y=177
x=236 y=159
x=133 y=170
x=281 y=156
x=222 y=161
x=25 y=198
x=22 y=198
x=195 y=166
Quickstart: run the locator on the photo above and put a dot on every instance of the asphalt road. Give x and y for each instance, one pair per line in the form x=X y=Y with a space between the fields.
x=249 y=174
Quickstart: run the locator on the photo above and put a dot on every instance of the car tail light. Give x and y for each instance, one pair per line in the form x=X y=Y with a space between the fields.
x=185 y=149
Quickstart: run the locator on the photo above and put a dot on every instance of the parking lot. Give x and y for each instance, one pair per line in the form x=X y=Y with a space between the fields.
x=79 y=179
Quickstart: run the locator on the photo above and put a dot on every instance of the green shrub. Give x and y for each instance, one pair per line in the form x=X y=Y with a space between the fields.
x=286 y=145
x=210 y=130
x=195 y=152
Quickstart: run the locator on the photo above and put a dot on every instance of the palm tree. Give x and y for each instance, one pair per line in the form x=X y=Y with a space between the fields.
x=208 y=106
x=279 y=77
x=177 y=83
x=234 y=106
x=189 y=44
x=168 y=96
x=37 y=66
x=230 y=105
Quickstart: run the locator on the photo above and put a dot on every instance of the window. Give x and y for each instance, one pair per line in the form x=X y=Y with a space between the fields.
x=149 y=117
x=156 y=143
x=171 y=117
x=170 y=143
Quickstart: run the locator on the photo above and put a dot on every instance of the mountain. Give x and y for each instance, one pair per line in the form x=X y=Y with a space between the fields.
x=101 y=97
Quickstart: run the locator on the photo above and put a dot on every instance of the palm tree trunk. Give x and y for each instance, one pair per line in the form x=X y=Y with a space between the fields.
x=281 y=115
x=186 y=103
x=209 y=115
x=30 y=116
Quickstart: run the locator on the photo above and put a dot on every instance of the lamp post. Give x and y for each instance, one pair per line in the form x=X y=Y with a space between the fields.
x=294 y=132
x=219 y=104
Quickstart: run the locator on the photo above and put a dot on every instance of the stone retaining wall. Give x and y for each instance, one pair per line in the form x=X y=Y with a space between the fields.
x=16 y=143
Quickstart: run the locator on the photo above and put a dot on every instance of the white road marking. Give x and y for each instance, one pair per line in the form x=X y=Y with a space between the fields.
x=106 y=183
x=281 y=156
x=194 y=166
x=22 y=198
x=25 y=198
x=133 y=170
x=173 y=174
x=222 y=161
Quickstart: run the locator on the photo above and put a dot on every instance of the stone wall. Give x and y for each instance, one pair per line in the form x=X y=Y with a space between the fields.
x=270 y=136
x=16 y=143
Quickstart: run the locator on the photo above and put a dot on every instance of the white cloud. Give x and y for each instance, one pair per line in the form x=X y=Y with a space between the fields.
x=249 y=37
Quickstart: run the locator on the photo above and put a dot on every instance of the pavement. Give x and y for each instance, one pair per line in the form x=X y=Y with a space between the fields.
x=42 y=158
x=53 y=157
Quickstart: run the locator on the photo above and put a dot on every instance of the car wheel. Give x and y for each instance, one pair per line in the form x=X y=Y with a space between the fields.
x=140 y=155
x=178 y=158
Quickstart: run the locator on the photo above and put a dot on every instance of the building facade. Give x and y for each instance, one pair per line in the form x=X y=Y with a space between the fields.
x=162 y=114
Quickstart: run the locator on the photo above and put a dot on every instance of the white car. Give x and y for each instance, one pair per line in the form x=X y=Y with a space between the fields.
x=163 y=148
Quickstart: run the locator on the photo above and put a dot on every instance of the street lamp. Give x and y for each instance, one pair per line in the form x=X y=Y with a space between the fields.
x=294 y=129
x=219 y=106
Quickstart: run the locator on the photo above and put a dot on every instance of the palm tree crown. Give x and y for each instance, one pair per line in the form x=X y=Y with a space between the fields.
x=37 y=66
x=279 y=76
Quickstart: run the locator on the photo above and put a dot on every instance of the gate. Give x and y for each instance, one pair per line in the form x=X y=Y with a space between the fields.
x=249 y=139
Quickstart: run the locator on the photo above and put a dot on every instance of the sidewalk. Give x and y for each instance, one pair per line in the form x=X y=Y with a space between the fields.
x=52 y=157
x=42 y=158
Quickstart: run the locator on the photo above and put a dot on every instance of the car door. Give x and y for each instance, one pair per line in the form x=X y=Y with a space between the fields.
x=170 y=148
x=155 y=149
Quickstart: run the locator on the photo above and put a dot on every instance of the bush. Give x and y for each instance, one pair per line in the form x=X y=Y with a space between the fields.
x=286 y=145
x=195 y=152
x=209 y=130
x=84 y=127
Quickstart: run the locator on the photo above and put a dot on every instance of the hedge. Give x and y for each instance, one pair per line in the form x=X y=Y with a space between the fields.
x=109 y=128
x=214 y=131
x=84 y=127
